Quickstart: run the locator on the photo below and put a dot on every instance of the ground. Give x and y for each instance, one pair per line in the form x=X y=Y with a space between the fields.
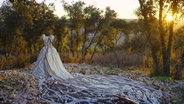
x=21 y=87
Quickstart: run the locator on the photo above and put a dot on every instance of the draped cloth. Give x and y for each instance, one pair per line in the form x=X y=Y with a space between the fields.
x=48 y=63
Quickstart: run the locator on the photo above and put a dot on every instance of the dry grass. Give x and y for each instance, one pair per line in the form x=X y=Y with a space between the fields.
x=121 y=59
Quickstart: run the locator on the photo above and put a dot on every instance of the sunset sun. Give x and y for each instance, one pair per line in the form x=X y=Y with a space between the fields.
x=169 y=17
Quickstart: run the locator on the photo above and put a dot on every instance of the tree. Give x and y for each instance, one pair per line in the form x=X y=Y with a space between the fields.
x=166 y=43
x=92 y=26
x=5 y=12
x=121 y=29
x=108 y=31
x=76 y=17
x=24 y=20
x=85 y=24
x=61 y=33
x=120 y=26
x=12 y=29
x=148 y=10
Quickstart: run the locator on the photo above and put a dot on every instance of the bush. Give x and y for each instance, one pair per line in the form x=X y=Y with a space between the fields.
x=10 y=62
x=121 y=59
x=21 y=61
x=2 y=62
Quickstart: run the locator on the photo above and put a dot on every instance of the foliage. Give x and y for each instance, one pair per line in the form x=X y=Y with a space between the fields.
x=61 y=33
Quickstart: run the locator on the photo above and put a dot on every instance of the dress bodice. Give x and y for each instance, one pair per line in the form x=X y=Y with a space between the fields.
x=47 y=39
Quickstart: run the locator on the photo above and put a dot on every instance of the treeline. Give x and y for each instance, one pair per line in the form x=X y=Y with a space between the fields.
x=85 y=30
x=88 y=34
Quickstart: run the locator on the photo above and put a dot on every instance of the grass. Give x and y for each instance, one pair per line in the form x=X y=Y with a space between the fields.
x=128 y=68
x=112 y=68
x=163 y=78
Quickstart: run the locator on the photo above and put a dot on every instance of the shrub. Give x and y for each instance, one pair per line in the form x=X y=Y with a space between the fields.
x=2 y=62
x=121 y=59
x=21 y=61
x=10 y=62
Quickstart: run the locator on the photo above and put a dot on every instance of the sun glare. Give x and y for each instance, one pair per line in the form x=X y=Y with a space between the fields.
x=169 y=17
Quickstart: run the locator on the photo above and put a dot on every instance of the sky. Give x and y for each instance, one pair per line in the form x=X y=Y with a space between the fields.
x=124 y=8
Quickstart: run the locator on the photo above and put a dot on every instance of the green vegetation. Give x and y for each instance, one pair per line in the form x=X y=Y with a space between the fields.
x=163 y=78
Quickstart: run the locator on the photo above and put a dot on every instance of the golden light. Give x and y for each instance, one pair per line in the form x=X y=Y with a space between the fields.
x=169 y=17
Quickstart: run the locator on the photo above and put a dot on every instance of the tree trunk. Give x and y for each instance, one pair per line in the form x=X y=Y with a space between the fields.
x=165 y=54
x=148 y=27
x=155 y=62
x=58 y=43
x=4 y=44
x=166 y=51
x=166 y=65
x=153 y=53
x=93 y=53
x=84 y=47
x=98 y=42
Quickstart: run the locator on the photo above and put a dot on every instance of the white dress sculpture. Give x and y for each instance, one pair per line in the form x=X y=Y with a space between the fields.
x=48 y=63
